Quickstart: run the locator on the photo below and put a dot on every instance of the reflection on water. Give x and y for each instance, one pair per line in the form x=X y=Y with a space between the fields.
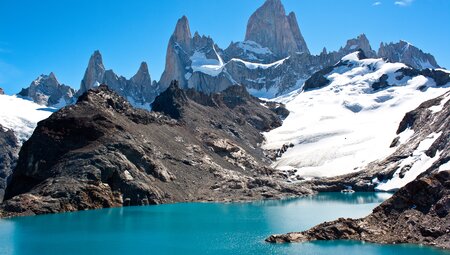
x=196 y=228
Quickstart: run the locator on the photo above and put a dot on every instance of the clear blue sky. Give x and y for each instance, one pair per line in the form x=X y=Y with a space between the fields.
x=59 y=35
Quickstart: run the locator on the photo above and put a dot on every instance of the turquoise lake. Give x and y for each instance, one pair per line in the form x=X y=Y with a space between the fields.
x=195 y=228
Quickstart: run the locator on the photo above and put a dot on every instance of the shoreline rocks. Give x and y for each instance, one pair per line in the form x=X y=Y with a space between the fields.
x=419 y=213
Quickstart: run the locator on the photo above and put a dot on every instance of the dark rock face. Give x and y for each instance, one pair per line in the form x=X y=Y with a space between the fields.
x=46 y=90
x=2 y=92
x=9 y=150
x=318 y=79
x=419 y=213
x=101 y=152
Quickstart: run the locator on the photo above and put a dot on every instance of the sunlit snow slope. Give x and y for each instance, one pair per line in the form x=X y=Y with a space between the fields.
x=347 y=124
x=21 y=116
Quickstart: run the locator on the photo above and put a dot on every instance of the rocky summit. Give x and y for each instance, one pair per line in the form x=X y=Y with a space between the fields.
x=419 y=213
x=102 y=152
x=270 y=27
x=407 y=53
x=140 y=91
x=46 y=90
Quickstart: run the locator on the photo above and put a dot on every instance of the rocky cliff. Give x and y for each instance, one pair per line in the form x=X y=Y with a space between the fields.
x=101 y=152
x=419 y=213
x=8 y=156
x=46 y=90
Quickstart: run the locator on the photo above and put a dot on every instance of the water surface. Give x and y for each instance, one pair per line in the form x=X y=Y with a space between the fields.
x=196 y=228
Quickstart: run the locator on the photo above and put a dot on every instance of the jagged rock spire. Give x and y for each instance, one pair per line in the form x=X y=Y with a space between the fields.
x=359 y=43
x=407 y=53
x=143 y=75
x=180 y=42
x=182 y=33
x=94 y=74
x=270 y=27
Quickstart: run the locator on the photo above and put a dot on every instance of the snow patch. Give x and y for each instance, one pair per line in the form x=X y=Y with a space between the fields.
x=253 y=47
x=212 y=67
x=253 y=66
x=342 y=127
x=21 y=116
x=418 y=163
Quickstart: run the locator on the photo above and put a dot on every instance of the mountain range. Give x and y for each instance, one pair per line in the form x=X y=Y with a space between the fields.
x=273 y=60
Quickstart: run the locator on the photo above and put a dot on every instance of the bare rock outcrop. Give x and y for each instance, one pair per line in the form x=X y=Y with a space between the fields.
x=419 y=213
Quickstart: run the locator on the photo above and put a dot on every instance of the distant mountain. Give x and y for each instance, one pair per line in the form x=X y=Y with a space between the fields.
x=139 y=90
x=407 y=53
x=273 y=60
x=46 y=90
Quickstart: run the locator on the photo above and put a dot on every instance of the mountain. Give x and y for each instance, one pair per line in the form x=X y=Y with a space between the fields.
x=194 y=62
x=46 y=90
x=416 y=214
x=270 y=27
x=272 y=61
x=359 y=43
x=347 y=115
x=407 y=53
x=139 y=90
x=102 y=152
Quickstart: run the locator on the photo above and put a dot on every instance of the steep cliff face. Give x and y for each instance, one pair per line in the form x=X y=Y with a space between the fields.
x=46 y=90
x=270 y=27
x=94 y=74
x=9 y=150
x=419 y=213
x=407 y=53
x=101 y=152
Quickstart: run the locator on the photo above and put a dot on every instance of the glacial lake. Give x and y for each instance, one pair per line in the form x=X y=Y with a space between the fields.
x=196 y=228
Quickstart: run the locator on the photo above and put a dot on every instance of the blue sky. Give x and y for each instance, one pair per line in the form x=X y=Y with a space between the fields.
x=53 y=35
